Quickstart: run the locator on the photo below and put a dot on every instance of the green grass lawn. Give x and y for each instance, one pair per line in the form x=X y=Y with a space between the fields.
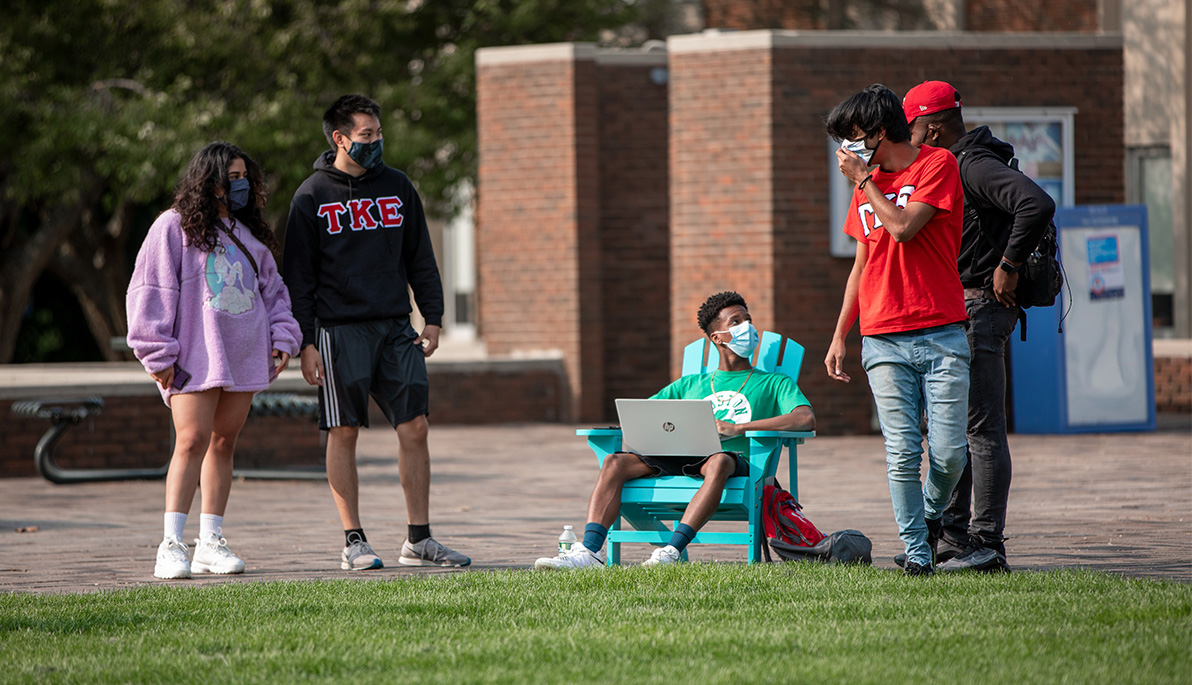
x=723 y=623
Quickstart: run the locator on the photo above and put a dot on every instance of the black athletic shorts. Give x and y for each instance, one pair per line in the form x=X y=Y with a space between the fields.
x=377 y=358
x=688 y=466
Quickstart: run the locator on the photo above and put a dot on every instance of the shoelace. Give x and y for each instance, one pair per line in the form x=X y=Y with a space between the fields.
x=178 y=550
x=220 y=547
x=434 y=548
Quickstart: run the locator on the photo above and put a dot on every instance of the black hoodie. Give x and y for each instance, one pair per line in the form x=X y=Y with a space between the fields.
x=1014 y=209
x=353 y=244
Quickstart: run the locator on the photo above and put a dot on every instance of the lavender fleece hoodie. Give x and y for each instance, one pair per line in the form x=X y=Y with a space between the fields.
x=206 y=311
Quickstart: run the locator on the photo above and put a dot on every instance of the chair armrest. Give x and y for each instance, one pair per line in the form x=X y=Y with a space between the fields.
x=589 y=432
x=780 y=434
x=603 y=441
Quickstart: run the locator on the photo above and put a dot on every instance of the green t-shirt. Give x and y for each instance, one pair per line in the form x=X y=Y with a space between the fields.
x=737 y=400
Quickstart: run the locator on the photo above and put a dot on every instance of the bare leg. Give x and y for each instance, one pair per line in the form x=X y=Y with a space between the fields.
x=605 y=503
x=216 y=479
x=413 y=467
x=341 y=473
x=193 y=415
x=715 y=471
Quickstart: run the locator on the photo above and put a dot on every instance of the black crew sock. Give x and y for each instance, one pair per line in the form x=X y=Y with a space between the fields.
x=353 y=536
x=418 y=533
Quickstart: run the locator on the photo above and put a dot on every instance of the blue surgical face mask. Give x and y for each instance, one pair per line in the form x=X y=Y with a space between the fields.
x=238 y=194
x=367 y=155
x=858 y=148
x=744 y=340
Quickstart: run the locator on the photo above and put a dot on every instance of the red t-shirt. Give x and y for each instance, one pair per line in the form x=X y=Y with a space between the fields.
x=912 y=285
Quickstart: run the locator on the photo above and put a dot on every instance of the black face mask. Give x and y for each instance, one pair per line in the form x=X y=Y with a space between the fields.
x=367 y=155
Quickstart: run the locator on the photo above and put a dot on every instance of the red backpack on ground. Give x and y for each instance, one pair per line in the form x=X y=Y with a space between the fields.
x=782 y=519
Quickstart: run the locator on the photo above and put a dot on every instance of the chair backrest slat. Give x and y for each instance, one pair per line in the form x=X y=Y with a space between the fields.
x=700 y=356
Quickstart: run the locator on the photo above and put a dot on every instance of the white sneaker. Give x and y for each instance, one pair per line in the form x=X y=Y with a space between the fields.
x=213 y=556
x=663 y=556
x=577 y=557
x=172 y=560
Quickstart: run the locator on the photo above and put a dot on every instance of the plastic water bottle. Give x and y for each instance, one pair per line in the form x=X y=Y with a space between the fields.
x=567 y=540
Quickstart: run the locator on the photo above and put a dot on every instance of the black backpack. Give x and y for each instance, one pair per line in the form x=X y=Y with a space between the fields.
x=1041 y=278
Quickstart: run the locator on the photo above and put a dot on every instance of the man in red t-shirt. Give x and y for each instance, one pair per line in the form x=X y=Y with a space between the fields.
x=906 y=215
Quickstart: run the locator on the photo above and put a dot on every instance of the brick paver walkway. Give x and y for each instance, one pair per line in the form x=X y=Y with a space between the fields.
x=1120 y=503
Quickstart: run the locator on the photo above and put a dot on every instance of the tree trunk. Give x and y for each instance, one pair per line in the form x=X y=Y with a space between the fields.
x=101 y=281
x=24 y=258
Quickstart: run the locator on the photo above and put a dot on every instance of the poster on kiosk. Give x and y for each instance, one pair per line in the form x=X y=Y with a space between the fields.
x=1087 y=364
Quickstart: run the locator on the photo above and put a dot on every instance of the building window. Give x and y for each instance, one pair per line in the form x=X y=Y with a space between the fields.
x=1148 y=182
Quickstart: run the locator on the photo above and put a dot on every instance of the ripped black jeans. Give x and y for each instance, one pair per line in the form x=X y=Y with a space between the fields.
x=984 y=486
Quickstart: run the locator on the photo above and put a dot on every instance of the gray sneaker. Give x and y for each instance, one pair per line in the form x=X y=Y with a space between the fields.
x=359 y=557
x=431 y=552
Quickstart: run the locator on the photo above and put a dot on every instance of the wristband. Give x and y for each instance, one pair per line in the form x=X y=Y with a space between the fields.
x=861 y=185
x=1008 y=267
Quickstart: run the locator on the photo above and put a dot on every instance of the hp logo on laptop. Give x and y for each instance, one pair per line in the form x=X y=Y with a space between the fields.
x=668 y=427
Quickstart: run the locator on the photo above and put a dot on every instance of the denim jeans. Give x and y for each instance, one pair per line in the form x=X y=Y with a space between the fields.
x=985 y=483
x=911 y=372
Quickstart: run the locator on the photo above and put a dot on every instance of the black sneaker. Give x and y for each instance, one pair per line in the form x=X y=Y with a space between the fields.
x=913 y=569
x=981 y=559
x=947 y=549
x=935 y=530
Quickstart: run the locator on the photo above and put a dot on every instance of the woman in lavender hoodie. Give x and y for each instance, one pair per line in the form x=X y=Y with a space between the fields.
x=209 y=317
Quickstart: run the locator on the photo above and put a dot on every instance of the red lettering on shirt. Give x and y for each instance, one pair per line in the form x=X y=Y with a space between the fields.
x=331 y=212
x=361 y=218
x=390 y=216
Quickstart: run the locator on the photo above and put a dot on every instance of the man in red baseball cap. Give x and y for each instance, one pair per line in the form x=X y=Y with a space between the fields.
x=929 y=97
x=1005 y=215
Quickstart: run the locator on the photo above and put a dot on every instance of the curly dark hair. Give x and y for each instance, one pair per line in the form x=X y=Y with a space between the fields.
x=872 y=110
x=198 y=206
x=711 y=308
x=340 y=116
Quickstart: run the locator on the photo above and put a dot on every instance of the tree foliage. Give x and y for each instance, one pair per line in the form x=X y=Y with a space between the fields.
x=106 y=100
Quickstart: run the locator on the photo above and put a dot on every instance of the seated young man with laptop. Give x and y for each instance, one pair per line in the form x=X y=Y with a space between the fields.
x=743 y=398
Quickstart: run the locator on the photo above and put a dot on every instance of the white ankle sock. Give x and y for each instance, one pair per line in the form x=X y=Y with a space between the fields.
x=175 y=523
x=210 y=524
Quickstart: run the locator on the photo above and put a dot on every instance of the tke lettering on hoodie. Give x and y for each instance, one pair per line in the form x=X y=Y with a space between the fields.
x=361 y=214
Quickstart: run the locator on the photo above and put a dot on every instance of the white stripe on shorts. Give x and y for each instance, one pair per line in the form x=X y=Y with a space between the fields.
x=330 y=396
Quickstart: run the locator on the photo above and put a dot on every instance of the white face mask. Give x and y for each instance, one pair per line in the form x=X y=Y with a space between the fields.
x=858 y=148
x=744 y=340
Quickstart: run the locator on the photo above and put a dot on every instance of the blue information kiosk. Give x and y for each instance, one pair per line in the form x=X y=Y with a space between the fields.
x=1098 y=374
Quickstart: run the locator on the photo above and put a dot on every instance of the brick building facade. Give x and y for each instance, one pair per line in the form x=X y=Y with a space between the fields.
x=748 y=185
x=571 y=224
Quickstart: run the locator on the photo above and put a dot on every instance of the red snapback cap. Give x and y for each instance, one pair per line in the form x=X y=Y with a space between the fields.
x=929 y=97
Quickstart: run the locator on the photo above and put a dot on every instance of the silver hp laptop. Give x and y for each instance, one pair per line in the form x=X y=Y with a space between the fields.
x=668 y=428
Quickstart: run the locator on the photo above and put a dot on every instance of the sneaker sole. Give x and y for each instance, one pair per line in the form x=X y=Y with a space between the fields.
x=410 y=561
x=348 y=567
x=547 y=567
x=204 y=568
x=177 y=575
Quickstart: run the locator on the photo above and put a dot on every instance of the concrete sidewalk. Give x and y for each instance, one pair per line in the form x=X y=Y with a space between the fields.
x=1120 y=503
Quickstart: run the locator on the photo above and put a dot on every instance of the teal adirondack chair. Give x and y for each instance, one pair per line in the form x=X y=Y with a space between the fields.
x=647 y=503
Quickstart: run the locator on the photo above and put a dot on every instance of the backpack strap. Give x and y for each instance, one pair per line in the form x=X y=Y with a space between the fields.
x=256 y=272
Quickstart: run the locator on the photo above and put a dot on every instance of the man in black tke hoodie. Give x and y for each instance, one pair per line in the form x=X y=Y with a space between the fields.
x=1013 y=213
x=356 y=242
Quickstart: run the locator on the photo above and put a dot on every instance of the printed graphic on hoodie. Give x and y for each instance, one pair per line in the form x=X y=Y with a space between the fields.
x=365 y=214
x=228 y=276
